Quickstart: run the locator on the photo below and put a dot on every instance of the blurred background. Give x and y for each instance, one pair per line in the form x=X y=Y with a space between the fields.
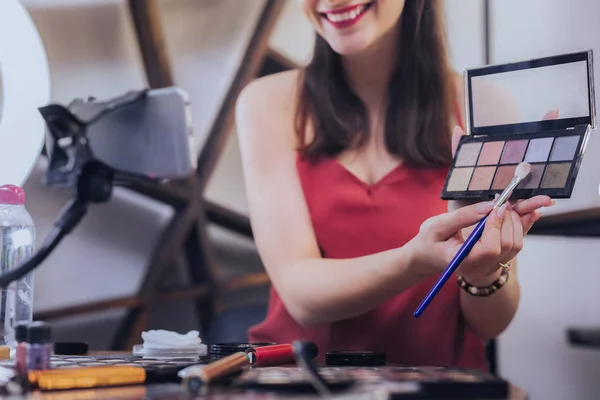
x=184 y=258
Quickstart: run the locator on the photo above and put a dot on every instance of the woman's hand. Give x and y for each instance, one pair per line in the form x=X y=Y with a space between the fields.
x=511 y=223
x=441 y=237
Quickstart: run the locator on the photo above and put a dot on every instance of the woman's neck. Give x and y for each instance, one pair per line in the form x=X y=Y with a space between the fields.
x=369 y=73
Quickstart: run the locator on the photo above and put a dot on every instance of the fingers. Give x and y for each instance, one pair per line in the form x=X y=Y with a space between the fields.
x=530 y=219
x=517 y=238
x=507 y=234
x=528 y=206
x=551 y=114
x=490 y=246
x=447 y=225
x=456 y=135
x=497 y=241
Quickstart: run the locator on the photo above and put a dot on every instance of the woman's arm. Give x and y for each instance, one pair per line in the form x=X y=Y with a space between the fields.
x=489 y=316
x=314 y=290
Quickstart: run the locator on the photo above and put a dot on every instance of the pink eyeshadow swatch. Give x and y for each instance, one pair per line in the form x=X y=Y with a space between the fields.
x=490 y=153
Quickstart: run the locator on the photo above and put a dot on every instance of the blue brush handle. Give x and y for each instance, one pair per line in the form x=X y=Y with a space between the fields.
x=464 y=251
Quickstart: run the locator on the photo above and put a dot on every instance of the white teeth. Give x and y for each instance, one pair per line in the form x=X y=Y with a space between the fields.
x=346 y=16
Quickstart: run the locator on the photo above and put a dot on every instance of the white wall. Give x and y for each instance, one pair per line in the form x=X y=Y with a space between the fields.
x=557 y=275
x=465 y=27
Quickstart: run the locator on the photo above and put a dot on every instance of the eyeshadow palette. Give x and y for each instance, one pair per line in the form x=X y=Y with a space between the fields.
x=483 y=168
x=538 y=111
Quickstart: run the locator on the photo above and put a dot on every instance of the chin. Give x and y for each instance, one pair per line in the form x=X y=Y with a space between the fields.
x=349 y=46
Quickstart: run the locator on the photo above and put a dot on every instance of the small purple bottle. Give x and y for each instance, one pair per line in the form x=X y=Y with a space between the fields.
x=40 y=348
x=21 y=349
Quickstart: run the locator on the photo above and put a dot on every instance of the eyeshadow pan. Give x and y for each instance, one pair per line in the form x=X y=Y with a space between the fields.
x=459 y=180
x=532 y=181
x=556 y=175
x=564 y=148
x=482 y=178
x=514 y=151
x=503 y=176
x=467 y=154
x=538 y=149
x=490 y=153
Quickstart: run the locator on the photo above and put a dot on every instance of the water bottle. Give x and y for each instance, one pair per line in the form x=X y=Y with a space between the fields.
x=17 y=240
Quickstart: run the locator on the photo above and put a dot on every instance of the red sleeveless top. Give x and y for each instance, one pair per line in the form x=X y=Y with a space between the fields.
x=352 y=219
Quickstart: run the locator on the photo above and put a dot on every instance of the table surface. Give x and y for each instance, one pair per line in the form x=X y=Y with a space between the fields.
x=175 y=391
x=172 y=391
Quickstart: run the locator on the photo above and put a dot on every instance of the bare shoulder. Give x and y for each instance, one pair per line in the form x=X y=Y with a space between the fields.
x=265 y=128
x=270 y=100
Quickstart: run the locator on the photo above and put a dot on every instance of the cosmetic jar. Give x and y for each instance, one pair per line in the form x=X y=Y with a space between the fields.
x=40 y=348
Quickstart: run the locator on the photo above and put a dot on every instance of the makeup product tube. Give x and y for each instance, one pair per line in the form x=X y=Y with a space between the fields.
x=198 y=377
x=40 y=348
x=279 y=354
x=21 y=349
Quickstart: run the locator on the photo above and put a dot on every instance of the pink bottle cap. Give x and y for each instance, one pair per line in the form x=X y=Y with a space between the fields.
x=11 y=194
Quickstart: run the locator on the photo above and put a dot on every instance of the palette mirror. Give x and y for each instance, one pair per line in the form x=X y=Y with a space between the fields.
x=538 y=111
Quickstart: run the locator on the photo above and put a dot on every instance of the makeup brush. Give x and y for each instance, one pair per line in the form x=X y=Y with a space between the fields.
x=521 y=173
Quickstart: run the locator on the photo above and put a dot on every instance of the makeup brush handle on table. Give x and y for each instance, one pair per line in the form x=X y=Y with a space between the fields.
x=521 y=173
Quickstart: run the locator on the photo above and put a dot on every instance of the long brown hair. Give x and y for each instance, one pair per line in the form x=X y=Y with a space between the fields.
x=417 y=122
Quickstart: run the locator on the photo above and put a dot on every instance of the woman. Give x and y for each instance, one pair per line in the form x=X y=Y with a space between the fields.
x=344 y=164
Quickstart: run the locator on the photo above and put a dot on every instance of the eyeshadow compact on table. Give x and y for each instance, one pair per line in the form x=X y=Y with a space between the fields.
x=539 y=111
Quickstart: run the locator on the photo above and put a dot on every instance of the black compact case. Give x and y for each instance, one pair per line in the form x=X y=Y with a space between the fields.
x=354 y=358
x=538 y=111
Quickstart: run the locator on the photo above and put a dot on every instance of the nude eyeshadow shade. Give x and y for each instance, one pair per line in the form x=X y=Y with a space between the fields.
x=482 y=178
x=460 y=178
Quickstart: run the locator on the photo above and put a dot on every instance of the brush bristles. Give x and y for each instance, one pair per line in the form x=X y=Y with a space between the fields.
x=522 y=170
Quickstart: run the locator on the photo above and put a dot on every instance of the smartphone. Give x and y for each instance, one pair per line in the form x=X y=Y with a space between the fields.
x=152 y=136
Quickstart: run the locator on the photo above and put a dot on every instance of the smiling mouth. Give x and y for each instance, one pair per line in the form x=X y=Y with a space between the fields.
x=345 y=17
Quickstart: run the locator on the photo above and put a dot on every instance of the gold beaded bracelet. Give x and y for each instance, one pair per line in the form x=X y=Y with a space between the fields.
x=485 y=291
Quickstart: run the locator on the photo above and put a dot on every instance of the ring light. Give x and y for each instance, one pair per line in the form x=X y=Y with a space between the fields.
x=24 y=86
